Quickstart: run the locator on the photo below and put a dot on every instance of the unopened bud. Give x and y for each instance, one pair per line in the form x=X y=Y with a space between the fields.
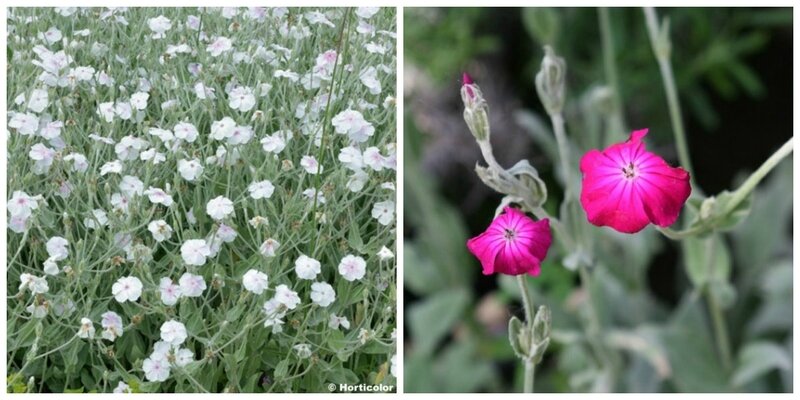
x=541 y=325
x=550 y=81
x=476 y=111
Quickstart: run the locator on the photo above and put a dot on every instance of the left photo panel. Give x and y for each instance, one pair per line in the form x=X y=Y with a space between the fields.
x=201 y=200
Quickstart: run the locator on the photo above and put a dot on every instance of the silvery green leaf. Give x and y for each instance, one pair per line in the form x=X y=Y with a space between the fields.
x=756 y=359
x=515 y=328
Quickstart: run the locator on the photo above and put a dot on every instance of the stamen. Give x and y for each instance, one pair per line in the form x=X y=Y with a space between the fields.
x=629 y=171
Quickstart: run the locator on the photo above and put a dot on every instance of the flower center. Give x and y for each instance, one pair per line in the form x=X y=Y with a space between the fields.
x=629 y=171
x=509 y=234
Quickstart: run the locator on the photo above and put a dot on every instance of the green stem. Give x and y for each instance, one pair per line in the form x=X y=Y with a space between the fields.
x=720 y=330
x=752 y=181
x=563 y=149
x=530 y=373
x=527 y=302
x=617 y=125
x=661 y=49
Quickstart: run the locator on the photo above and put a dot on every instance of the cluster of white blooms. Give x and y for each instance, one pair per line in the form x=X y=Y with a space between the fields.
x=169 y=161
x=167 y=352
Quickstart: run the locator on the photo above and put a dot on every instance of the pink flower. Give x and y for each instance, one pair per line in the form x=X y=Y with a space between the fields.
x=626 y=187
x=513 y=244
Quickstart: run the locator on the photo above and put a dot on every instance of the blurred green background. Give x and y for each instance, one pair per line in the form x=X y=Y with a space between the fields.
x=733 y=69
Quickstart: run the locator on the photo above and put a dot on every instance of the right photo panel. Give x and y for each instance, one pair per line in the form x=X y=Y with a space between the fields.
x=598 y=200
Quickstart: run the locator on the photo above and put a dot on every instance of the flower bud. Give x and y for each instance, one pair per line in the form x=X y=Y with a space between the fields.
x=541 y=325
x=476 y=111
x=550 y=81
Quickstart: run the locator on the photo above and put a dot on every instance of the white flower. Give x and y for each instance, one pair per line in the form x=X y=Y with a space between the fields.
x=310 y=193
x=158 y=196
x=86 y=330
x=50 y=266
x=322 y=294
x=159 y=25
x=303 y=350
x=153 y=155
x=122 y=387
x=170 y=292
x=79 y=162
x=369 y=77
x=123 y=110
x=255 y=281
x=385 y=254
x=191 y=285
x=276 y=142
x=131 y=186
x=160 y=229
x=352 y=267
x=97 y=220
x=373 y=158
x=129 y=147
x=221 y=130
x=334 y=322
x=195 y=251
x=219 y=208
x=156 y=369
x=287 y=297
x=186 y=132
x=164 y=135
x=225 y=233
x=120 y=203
x=242 y=98
x=51 y=130
x=128 y=288
x=219 y=46
x=367 y=12
x=21 y=204
x=36 y=284
x=261 y=190
x=43 y=156
x=38 y=100
x=53 y=35
x=310 y=164
x=190 y=170
x=139 y=100
x=268 y=248
x=240 y=135
x=112 y=325
x=173 y=332
x=183 y=357
x=357 y=181
x=306 y=267
x=106 y=110
x=111 y=167
x=352 y=123
x=351 y=157
x=57 y=248
x=25 y=124
x=383 y=211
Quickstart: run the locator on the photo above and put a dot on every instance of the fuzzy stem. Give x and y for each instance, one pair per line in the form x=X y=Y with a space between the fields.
x=563 y=149
x=527 y=302
x=741 y=193
x=661 y=51
x=720 y=330
x=530 y=373
x=617 y=123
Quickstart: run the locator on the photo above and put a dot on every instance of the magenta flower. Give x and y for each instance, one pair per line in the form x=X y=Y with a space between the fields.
x=513 y=244
x=626 y=187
